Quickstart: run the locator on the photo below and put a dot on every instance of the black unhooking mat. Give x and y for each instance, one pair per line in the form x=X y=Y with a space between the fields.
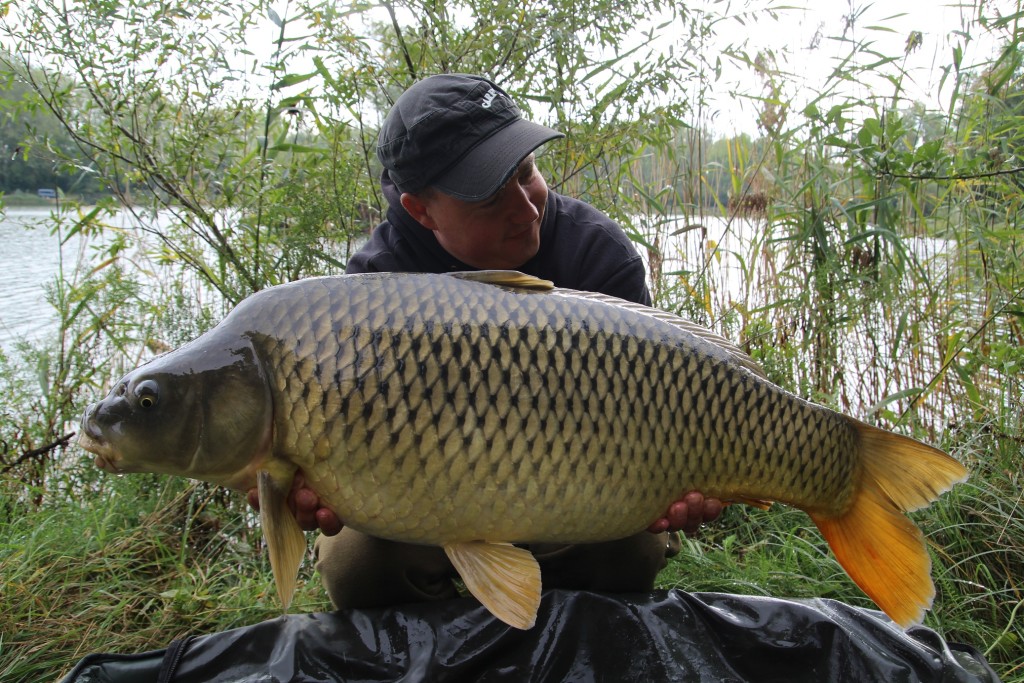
x=579 y=636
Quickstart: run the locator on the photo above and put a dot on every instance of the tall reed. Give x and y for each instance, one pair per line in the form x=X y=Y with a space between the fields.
x=872 y=263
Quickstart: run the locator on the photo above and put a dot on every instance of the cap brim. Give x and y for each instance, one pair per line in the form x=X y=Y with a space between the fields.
x=490 y=164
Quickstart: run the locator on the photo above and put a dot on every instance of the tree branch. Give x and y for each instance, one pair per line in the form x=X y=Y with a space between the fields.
x=401 y=40
x=954 y=176
x=62 y=442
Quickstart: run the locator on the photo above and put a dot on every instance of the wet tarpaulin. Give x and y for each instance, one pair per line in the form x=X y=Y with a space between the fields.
x=579 y=636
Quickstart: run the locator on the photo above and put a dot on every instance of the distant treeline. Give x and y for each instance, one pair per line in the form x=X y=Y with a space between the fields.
x=38 y=153
x=34 y=148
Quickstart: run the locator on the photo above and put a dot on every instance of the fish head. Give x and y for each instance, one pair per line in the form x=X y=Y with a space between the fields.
x=202 y=411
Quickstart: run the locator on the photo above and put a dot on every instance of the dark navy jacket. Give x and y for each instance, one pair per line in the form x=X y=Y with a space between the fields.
x=580 y=248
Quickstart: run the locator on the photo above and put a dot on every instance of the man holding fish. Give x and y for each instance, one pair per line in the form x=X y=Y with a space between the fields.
x=457 y=414
x=464 y=194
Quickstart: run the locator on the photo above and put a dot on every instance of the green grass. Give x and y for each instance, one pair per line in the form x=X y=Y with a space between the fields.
x=146 y=561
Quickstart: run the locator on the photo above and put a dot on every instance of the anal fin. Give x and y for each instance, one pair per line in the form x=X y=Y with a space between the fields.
x=760 y=503
x=286 y=543
x=504 y=578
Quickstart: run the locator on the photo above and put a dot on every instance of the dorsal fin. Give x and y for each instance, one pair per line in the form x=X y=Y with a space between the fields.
x=506 y=278
x=520 y=281
x=737 y=354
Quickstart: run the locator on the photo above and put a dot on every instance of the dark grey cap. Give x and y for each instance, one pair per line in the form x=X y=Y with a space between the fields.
x=461 y=134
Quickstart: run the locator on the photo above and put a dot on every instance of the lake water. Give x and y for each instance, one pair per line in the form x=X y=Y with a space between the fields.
x=34 y=256
x=32 y=259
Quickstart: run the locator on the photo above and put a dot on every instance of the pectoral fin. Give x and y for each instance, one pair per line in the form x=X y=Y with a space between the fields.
x=504 y=578
x=285 y=541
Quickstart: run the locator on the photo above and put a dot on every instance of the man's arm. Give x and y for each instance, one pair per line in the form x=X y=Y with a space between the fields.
x=629 y=282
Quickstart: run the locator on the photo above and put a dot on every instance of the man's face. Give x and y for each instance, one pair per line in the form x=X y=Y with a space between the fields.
x=500 y=232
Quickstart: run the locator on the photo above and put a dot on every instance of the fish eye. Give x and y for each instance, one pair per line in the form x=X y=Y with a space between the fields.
x=147 y=394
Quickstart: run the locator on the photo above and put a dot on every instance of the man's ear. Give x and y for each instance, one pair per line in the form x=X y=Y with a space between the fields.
x=418 y=210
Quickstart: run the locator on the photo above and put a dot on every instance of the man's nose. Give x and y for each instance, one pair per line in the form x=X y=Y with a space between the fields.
x=520 y=204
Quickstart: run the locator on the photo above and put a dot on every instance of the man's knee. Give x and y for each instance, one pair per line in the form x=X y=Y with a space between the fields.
x=363 y=571
x=628 y=565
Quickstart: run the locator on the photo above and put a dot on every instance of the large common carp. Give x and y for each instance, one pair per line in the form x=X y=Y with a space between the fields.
x=477 y=410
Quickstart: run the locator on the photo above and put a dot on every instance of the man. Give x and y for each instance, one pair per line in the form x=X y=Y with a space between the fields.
x=464 y=193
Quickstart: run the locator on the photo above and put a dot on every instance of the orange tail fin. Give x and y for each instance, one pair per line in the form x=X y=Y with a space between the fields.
x=879 y=547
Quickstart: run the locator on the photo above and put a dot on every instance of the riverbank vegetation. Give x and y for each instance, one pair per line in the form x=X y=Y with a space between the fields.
x=866 y=248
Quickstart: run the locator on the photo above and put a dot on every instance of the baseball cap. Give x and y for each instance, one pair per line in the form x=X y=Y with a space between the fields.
x=459 y=133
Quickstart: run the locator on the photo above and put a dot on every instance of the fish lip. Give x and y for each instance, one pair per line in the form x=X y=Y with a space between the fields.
x=105 y=458
x=89 y=442
x=107 y=465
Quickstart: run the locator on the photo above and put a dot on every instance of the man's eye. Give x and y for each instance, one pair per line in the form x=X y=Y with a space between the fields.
x=527 y=174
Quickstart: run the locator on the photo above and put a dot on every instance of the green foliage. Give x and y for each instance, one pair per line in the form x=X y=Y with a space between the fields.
x=240 y=196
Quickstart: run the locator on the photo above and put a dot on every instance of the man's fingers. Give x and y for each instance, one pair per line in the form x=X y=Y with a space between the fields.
x=659 y=525
x=328 y=522
x=305 y=503
x=712 y=509
x=688 y=514
x=677 y=517
x=681 y=514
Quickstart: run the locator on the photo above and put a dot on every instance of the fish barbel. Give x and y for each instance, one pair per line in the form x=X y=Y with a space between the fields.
x=477 y=410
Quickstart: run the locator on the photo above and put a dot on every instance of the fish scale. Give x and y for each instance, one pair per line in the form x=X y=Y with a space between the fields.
x=475 y=410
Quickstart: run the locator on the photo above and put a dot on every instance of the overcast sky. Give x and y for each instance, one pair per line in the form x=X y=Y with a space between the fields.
x=810 y=45
x=810 y=39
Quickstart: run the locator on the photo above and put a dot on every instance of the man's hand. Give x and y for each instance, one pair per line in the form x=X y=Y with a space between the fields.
x=306 y=505
x=688 y=514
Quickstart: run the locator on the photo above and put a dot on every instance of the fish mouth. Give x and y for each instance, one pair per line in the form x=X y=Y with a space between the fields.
x=105 y=458
x=107 y=465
